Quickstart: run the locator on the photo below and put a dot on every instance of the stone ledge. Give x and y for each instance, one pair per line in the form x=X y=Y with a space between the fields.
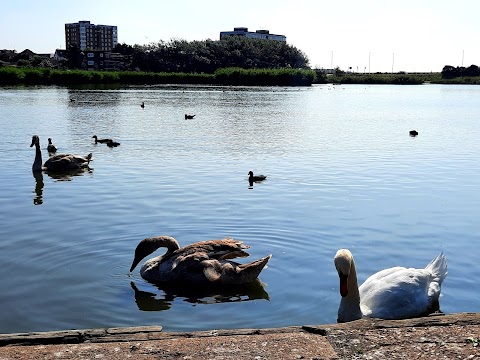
x=459 y=319
x=453 y=336
x=148 y=333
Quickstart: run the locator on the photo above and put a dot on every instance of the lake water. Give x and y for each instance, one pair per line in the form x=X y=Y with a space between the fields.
x=342 y=172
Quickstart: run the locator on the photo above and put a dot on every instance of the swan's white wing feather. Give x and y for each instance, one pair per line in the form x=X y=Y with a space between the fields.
x=396 y=293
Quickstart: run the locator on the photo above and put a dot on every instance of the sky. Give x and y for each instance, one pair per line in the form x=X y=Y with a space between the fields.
x=356 y=35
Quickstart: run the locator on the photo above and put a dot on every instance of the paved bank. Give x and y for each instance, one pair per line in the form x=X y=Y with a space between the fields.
x=454 y=336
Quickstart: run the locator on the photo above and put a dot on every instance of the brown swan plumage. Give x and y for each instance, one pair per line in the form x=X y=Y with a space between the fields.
x=58 y=163
x=204 y=262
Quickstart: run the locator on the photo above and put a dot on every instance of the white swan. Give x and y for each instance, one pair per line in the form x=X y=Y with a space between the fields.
x=395 y=293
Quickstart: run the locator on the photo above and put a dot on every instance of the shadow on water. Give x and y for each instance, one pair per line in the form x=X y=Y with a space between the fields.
x=38 y=198
x=68 y=175
x=63 y=176
x=147 y=301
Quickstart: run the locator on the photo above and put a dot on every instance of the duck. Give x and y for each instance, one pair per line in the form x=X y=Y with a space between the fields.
x=255 y=178
x=201 y=263
x=413 y=132
x=142 y=105
x=102 y=141
x=112 y=143
x=392 y=294
x=189 y=116
x=58 y=163
x=51 y=148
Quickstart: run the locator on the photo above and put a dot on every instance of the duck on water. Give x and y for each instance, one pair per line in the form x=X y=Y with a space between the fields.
x=255 y=178
x=51 y=148
x=101 y=141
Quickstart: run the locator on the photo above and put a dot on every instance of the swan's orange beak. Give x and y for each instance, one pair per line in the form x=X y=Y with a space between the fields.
x=343 y=285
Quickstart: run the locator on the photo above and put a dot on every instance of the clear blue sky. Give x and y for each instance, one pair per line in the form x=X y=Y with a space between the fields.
x=406 y=35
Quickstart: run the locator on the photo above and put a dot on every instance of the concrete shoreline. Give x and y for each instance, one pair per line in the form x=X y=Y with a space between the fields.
x=434 y=337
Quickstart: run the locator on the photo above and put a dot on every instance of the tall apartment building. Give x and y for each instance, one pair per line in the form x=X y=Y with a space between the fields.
x=259 y=34
x=88 y=36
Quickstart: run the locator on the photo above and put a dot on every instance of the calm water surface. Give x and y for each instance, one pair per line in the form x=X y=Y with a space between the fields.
x=342 y=172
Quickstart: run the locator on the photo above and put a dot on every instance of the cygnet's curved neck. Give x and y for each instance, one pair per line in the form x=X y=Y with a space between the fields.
x=37 y=163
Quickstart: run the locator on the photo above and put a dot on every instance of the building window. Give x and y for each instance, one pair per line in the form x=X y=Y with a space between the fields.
x=91 y=62
x=90 y=55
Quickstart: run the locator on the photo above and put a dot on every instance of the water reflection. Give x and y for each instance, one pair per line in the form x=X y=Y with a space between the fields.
x=148 y=301
x=38 y=198
x=68 y=175
x=63 y=176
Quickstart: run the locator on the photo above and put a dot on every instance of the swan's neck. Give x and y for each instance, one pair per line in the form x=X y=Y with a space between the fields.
x=349 y=309
x=37 y=163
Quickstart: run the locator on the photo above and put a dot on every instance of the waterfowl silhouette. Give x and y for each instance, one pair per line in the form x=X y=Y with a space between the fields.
x=142 y=105
x=413 y=133
x=200 y=263
x=112 y=143
x=189 y=116
x=255 y=178
x=102 y=141
x=58 y=163
x=51 y=148
x=395 y=293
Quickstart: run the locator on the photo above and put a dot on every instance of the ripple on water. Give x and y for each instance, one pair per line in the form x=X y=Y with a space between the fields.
x=342 y=173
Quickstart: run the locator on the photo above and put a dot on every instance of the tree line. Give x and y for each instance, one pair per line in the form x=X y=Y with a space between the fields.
x=450 y=72
x=205 y=56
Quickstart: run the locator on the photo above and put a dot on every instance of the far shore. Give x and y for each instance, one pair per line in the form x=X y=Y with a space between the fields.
x=10 y=75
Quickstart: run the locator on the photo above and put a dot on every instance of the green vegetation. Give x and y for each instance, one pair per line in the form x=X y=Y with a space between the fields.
x=382 y=78
x=474 y=341
x=275 y=77
x=450 y=72
x=210 y=55
x=395 y=79
x=230 y=76
x=10 y=75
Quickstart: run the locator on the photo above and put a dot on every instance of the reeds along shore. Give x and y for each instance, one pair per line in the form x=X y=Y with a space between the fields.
x=227 y=76
x=10 y=75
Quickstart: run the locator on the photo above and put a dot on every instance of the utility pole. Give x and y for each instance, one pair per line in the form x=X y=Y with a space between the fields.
x=369 y=62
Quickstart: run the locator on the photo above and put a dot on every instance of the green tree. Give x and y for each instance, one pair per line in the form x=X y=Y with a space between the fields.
x=74 y=57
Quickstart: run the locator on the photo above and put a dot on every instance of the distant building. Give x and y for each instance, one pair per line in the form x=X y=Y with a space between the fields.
x=105 y=60
x=326 y=71
x=60 y=55
x=7 y=55
x=259 y=34
x=88 y=36
x=26 y=54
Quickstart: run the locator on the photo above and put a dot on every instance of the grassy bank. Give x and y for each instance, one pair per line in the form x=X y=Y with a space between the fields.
x=228 y=76
x=269 y=77
x=396 y=79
